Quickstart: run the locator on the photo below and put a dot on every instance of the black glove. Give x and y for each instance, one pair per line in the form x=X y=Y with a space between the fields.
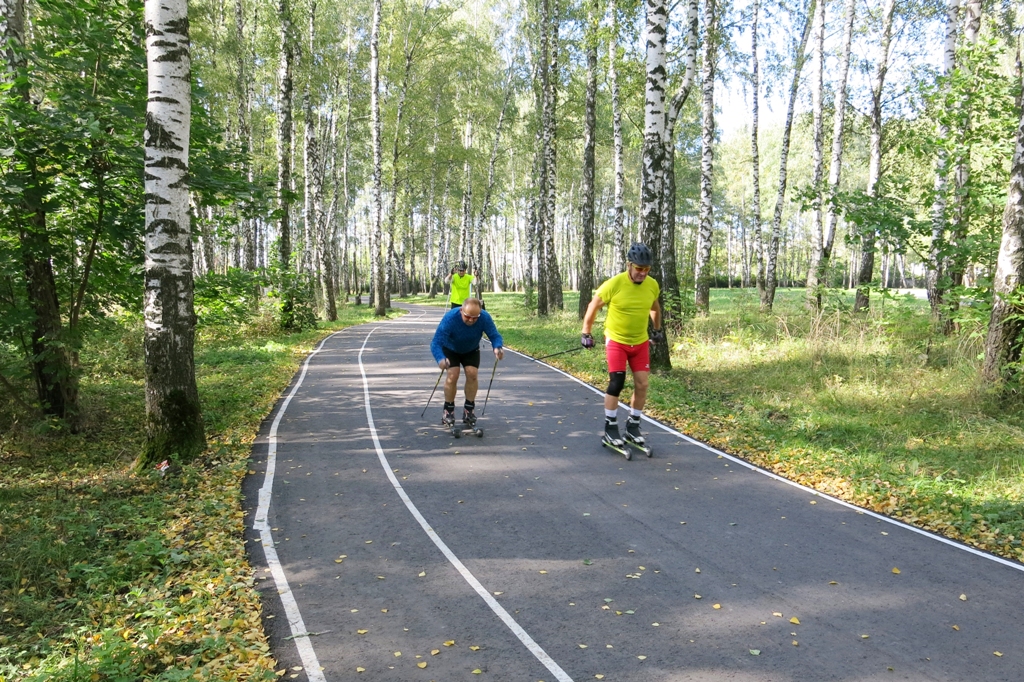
x=587 y=341
x=657 y=335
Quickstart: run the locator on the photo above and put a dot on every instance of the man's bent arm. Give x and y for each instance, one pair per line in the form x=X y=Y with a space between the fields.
x=656 y=314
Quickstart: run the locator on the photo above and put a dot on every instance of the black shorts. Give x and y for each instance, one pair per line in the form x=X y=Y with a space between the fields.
x=470 y=359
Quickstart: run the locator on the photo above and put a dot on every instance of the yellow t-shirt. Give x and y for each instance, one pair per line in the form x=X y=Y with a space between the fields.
x=629 y=307
x=460 y=287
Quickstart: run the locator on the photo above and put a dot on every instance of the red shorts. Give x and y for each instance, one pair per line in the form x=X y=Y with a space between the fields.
x=638 y=357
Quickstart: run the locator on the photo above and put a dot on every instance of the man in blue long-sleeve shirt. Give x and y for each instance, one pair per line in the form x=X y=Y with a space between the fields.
x=457 y=342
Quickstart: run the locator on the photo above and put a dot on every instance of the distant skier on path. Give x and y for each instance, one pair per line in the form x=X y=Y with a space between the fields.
x=461 y=285
x=631 y=297
x=457 y=342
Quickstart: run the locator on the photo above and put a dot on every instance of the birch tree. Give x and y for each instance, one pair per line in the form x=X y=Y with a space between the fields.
x=1005 y=338
x=376 y=256
x=937 y=270
x=619 y=202
x=702 y=275
x=836 y=161
x=586 y=280
x=771 y=261
x=755 y=155
x=818 y=154
x=174 y=420
x=866 y=272
x=284 y=159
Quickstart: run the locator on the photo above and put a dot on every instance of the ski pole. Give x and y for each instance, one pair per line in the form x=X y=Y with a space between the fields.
x=484 y=411
x=432 y=394
x=571 y=350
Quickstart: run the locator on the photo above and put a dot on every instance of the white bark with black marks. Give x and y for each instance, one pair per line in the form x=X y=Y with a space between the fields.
x=1006 y=323
x=705 y=233
x=175 y=425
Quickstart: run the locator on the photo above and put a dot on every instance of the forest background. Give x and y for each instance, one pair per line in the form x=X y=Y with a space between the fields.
x=834 y=192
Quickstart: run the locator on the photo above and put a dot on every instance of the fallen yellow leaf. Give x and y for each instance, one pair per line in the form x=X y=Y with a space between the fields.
x=421 y=664
x=337 y=561
x=642 y=658
x=697 y=571
x=794 y=620
x=777 y=614
x=398 y=654
x=697 y=596
x=599 y=676
x=717 y=606
x=583 y=646
x=477 y=671
x=435 y=652
x=542 y=572
x=474 y=648
x=796 y=643
x=832 y=582
x=998 y=653
x=963 y=597
x=896 y=571
x=360 y=670
x=450 y=642
x=655 y=624
x=956 y=627
x=864 y=636
x=423 y=574
x=361 y=632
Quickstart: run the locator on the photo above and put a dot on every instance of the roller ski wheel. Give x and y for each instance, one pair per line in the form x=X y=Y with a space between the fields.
x=618 y=446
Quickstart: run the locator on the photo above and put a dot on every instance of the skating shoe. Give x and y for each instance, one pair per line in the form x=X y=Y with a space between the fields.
x=633 y=431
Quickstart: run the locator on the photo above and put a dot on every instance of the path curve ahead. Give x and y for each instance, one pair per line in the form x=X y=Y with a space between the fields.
x=381 y=543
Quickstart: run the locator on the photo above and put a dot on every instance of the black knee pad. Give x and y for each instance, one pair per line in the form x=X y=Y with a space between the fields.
x=616 y=381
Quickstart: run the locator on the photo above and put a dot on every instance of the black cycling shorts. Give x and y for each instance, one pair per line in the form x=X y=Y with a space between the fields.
x=470 y=359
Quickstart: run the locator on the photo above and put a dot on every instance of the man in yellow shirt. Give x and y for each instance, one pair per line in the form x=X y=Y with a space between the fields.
x=632 y=298
x=462 y=285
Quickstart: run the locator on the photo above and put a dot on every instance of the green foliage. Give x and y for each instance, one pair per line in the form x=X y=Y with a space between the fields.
x=231 y=298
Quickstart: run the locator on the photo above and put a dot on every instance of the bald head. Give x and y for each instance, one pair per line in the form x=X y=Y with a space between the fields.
x=471 y=310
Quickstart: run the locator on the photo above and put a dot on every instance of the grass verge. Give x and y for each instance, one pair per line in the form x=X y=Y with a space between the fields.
x=106 y=575
x=877 y=410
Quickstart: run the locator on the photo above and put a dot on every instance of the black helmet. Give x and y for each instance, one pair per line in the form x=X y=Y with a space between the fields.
x=462 y=265
x=640 y=254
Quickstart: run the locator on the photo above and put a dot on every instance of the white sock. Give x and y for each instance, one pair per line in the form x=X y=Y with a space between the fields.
x=611 y=414
x=636 y=413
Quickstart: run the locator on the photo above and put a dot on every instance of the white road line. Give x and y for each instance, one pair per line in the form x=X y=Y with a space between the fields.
x=882 y=517
x=310 y=663
x=498 y=609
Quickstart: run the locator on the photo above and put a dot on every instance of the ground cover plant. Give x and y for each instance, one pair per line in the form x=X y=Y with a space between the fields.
x=110 y=575
x=876 y=409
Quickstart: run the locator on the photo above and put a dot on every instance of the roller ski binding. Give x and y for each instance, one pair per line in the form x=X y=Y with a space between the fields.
x=448 y=420
x=611 y=439
x=469 y=423
x=636 y=439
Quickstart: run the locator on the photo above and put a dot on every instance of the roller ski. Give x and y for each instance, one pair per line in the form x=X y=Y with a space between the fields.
x=611 y=439
x=636 y=439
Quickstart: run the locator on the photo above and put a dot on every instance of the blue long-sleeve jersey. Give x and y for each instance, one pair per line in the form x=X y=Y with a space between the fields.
x=454 y=334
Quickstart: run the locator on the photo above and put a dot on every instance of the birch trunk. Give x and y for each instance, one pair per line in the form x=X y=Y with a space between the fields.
x=376 y=255
x=818 y=162
x=866 y=272
x=755 y=150
x=586 y=276
x=937 y=271
x=702 y=274
x=485 y=208
x=836 y=161
x=243 y=90
x=284 y=160
x=653 y=155
x=799 y=57
x=617 y=147
x=173 y=416
x=552 y=274
x=1006 y=323
x=962 y=173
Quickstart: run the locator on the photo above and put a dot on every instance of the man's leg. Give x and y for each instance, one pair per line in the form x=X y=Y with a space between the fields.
x=640 y=382
x=451 y=383
x=472 y=384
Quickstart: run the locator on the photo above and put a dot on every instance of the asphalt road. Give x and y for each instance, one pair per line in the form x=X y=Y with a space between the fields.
x=536 y=554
